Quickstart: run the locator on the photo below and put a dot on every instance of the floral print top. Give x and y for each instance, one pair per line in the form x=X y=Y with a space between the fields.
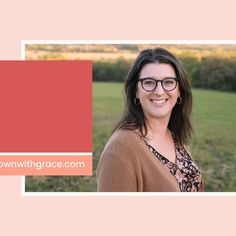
x=184 y=170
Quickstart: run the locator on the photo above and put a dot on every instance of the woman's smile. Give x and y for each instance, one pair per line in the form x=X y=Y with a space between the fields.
x=159 y=102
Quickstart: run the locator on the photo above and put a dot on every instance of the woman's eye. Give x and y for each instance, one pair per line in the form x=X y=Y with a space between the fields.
x=149 y=82
x=169 y=81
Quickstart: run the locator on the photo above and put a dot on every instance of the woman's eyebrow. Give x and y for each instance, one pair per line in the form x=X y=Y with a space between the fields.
x=155 y=78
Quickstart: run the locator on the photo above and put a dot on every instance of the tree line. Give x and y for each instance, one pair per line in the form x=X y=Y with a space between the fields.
x=208 y=72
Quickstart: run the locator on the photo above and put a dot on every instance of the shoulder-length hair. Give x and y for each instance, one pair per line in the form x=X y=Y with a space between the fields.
x=133 y=116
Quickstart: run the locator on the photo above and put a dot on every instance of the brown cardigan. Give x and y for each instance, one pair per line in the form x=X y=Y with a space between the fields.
x=127 y=165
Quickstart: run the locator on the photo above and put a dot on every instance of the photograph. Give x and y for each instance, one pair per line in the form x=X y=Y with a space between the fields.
x=163 y=117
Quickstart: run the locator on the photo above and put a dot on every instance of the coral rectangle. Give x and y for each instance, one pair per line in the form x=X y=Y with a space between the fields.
x=46 y=106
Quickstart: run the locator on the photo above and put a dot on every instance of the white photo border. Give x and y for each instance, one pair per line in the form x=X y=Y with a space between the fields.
x=115 y=194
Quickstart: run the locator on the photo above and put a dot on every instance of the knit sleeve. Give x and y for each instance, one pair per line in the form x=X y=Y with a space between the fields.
x=116 y=172
x=202 y=188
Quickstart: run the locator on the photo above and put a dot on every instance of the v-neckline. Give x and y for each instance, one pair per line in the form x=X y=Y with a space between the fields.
x=168 y=160
x=162 y=156
x=176 y=147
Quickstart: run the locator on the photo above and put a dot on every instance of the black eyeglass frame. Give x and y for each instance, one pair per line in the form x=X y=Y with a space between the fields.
x=156 y=81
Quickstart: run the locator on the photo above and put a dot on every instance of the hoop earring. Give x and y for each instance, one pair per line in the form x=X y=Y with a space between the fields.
x=136 y=101
x=179 y=100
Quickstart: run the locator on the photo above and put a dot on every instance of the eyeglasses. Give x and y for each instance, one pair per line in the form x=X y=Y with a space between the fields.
x=150 y=84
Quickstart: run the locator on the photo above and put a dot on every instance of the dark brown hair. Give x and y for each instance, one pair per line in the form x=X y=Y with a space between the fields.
x=134 y=118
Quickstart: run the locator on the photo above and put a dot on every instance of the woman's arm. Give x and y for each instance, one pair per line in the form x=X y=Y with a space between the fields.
x=115 y=173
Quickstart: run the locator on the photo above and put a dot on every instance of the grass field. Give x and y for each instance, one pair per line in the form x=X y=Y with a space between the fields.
x=213 y=145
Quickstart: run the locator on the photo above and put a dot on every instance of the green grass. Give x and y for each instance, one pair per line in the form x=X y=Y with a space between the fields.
x=213 y=145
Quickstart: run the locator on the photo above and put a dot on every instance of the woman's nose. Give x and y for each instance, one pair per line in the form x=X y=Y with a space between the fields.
x=159 y=89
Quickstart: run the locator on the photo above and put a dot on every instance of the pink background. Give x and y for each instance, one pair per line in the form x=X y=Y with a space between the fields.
x=105 y=19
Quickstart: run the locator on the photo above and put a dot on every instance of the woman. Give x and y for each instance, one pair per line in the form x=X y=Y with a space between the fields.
x=147 y=151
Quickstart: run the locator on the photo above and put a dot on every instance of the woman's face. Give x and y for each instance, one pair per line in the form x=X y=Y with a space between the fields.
x=157 y=104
